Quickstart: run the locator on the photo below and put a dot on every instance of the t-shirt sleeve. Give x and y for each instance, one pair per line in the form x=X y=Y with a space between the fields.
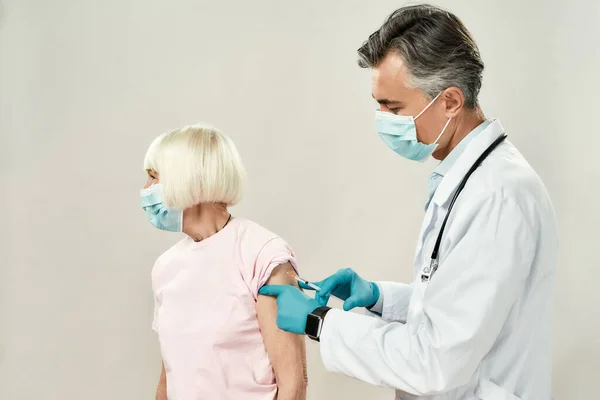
x=274 y=253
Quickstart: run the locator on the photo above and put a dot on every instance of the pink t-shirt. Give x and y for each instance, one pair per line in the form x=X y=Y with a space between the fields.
x=205 y=313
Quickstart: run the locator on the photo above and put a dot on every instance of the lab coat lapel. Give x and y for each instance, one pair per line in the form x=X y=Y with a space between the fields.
x=439 y=203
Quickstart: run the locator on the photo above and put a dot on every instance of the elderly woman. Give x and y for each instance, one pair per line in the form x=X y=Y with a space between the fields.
x=218 y=336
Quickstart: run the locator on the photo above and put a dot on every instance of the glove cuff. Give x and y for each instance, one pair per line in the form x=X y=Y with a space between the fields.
x=375 y=293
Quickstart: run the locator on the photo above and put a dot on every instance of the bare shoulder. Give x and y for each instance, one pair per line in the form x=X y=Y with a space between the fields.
x=283 y=274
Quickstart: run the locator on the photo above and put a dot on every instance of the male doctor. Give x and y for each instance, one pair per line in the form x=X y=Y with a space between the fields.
x=476 y=322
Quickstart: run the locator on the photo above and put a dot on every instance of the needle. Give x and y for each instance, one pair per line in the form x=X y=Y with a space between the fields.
x=307 y=283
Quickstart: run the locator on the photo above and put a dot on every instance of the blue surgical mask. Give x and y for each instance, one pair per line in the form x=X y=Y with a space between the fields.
x=167 y=219
x=399 y=132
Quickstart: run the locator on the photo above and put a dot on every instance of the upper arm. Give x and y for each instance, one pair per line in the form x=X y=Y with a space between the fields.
x=286 y=350
x=280 y=276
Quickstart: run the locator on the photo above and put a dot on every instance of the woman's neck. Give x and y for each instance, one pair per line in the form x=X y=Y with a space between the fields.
x=204 y=220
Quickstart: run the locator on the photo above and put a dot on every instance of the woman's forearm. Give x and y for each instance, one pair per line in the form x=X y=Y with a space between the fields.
x=292 y=390
x=292 y=379
x=161 y=388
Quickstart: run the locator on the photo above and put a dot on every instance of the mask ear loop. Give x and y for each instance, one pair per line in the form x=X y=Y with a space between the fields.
x=428 y=105
x=443 y=130
x=155 y=187
x=181 y=222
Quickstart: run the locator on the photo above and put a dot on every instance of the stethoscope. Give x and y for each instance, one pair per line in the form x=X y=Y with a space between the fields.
x=429 y=270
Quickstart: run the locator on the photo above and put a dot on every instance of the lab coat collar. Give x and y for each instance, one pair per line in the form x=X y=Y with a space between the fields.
x=446 y=164
x=460 y=168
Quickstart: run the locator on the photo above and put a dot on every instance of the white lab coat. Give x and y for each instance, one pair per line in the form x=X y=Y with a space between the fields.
x=480 y=328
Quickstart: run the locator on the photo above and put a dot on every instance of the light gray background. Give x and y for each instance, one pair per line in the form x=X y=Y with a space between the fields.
x=86 y=85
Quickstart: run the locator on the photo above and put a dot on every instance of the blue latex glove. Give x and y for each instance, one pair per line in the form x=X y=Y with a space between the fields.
x=293 y=307
x=348 y=286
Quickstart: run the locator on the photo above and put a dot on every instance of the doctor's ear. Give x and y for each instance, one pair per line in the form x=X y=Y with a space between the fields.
x=454 y=100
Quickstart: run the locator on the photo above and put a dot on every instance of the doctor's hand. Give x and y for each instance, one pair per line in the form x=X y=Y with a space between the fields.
x=293 y=307
x=346 y=285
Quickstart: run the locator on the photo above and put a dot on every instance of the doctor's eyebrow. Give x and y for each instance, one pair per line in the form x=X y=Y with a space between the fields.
x=386 y=101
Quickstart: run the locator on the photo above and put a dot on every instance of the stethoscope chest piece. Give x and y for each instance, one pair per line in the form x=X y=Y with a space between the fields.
x=429 y=270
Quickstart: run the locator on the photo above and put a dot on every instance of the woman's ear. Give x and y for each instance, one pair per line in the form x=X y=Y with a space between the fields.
x=454 y=99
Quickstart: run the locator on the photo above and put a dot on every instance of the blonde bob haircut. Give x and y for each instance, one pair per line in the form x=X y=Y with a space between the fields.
x=197 y=164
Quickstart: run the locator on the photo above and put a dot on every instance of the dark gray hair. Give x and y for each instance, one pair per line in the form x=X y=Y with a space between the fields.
x=436 y=47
